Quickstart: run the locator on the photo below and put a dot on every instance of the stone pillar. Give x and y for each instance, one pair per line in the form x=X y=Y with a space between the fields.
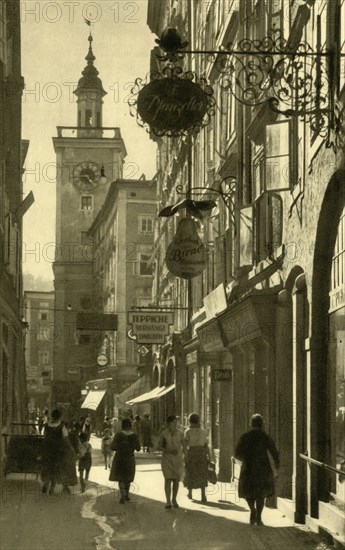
x=283 y=393
x=299 y=399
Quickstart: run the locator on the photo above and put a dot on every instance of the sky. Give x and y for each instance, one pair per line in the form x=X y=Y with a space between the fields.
x=54 y=46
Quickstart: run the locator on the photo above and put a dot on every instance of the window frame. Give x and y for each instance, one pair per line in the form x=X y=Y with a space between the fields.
x=82 y=205
x=141 y=262
x=146 y=218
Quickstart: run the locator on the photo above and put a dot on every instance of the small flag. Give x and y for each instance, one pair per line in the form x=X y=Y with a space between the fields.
x=87 y=21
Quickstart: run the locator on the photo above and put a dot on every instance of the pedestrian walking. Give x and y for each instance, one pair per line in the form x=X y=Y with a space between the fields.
x=260 y=458
x=106 y=423
x=40 y=424
x=58 y=457
x=106 y=447
x=146 y=433
x=171 y=443
x=85 y=459
x=86 y=427
x=122 y=470
x=137 y=427
x=196 y=457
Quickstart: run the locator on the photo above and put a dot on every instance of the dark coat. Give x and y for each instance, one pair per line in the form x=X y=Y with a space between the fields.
x=58 y=457
x=256 y=478
x=123 y=466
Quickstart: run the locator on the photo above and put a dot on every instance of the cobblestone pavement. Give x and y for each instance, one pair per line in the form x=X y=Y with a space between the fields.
x=96 y=519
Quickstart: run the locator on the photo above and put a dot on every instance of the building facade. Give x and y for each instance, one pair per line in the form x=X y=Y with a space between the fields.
x=122 y=236
x=39 y=348
x=12 y=208
x=262 y=328
x=82 y=151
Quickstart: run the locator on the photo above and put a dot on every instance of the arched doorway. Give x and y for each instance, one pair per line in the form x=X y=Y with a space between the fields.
x=326 y=367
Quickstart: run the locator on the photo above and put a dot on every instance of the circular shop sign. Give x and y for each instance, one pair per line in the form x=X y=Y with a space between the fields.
x=172 y=104
x=102 y=360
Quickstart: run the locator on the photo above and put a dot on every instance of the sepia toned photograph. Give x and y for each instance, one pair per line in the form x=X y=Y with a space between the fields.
x=172 y=274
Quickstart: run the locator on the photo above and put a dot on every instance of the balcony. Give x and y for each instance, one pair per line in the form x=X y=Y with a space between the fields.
x=108 y=132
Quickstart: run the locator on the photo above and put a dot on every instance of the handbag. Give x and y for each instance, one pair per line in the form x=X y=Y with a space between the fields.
x=272 y=464
x=211 y=473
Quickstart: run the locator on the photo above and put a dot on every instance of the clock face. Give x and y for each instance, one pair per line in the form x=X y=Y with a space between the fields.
x=86 y=175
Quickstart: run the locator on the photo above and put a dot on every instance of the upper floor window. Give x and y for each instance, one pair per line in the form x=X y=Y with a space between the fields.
x=146 y=224
x=145 y=267
x=43 y=315
x=272 y=160
x=42 y=333
x=86 y=202
x=43 y=357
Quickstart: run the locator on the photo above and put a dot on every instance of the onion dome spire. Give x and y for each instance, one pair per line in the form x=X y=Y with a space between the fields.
x=90 y=79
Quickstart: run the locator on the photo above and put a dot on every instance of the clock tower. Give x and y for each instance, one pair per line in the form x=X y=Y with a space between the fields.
x=84 y=153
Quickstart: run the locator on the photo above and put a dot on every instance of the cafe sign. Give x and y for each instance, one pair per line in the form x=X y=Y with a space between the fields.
x=150 y=327
x=173 y=103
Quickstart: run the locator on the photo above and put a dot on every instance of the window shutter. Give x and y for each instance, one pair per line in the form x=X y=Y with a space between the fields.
x=246 y=236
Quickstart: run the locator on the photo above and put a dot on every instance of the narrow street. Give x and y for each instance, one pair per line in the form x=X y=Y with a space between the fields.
x=95 y=519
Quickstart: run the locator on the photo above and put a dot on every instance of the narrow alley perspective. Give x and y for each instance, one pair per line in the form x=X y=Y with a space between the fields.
x=172 y=274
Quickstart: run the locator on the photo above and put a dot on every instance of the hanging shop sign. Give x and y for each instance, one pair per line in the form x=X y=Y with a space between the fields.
x=96 y=321
x=173 y=103
x=186 y=254
x=150 y=327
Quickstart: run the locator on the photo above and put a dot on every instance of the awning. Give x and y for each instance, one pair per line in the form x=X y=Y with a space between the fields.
x=156 y=393
x=165 y=390
x=93 y=400
x=144 y=396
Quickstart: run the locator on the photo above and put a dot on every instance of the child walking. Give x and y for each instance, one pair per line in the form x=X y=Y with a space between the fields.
x=85 y=460
x=106 y=447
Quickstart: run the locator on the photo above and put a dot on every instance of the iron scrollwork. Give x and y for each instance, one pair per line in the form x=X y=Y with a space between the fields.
x=293 y=79
x=188 y=119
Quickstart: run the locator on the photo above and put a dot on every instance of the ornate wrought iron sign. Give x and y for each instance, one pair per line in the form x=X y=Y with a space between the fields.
x=173 y=102
x=293 y=79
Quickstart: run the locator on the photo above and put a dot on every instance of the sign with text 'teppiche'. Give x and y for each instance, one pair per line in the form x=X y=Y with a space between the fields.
x=150 y=327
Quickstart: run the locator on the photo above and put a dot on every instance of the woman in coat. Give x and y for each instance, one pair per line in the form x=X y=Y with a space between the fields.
x=58 y=457
x=122 y=470
x=196 y=459
x=256 y=450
